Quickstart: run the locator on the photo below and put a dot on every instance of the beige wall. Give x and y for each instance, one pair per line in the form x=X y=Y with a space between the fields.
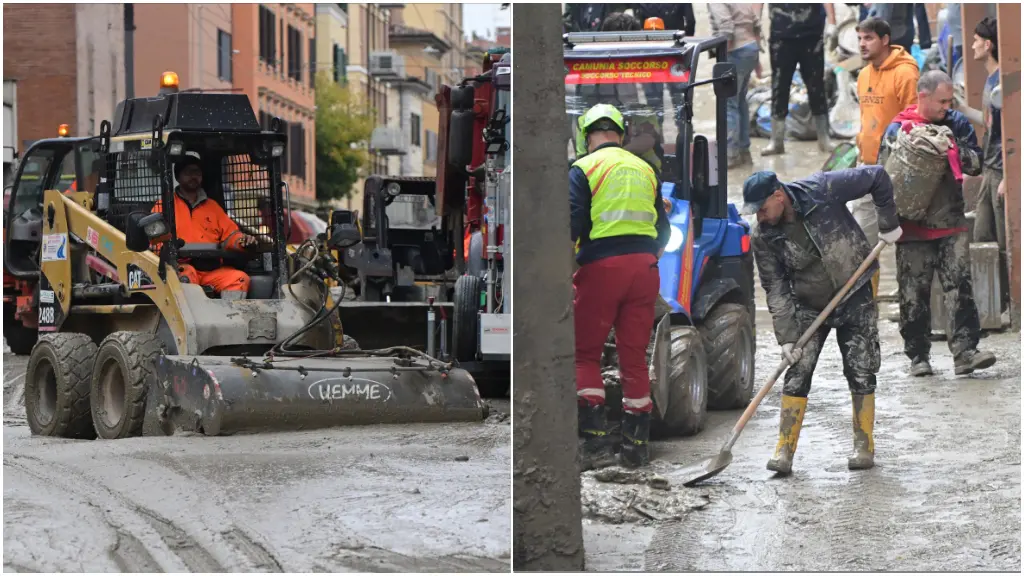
x=205 y=20
x=99 y=43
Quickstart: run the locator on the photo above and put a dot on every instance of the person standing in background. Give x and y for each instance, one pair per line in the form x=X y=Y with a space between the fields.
x=990 y=222
x=900 y=18
x=885 y=87
x=924 y=28
x=741 y=24
x=798 y=34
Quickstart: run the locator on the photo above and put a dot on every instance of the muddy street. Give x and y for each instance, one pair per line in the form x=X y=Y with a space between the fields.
x=374 y=498
x=945 y=493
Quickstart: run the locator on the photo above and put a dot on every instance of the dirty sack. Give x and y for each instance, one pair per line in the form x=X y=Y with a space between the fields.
x=917 y=164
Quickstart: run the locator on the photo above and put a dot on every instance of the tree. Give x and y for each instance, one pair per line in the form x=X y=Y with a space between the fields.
x=547 y=519
x=343 y=128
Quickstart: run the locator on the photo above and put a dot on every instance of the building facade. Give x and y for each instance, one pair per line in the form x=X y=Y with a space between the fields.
x=67 y=61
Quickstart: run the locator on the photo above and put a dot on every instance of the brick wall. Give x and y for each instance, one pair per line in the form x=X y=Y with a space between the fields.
x=39 y=51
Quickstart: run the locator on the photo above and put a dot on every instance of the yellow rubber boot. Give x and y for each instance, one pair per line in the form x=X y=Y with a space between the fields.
x=863 y=432
x=790 y=421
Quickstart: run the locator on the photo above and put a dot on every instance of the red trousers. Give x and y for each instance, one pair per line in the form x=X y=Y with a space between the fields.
x=221 y=279
x=619 y=291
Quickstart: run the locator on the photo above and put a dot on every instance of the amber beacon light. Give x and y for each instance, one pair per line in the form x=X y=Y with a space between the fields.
x=169 y=80
x=63 y=130
x=654 y=23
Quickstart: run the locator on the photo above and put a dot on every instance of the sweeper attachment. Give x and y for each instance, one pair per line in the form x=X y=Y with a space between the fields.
x=145 y=329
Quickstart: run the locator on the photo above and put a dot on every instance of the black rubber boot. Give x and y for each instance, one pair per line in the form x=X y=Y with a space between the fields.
x=636 y=431
x=595 y=446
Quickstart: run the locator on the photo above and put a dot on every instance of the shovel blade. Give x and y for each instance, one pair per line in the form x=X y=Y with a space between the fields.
x=697 y=473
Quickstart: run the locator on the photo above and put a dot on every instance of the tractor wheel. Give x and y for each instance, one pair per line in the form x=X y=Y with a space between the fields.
x=121 y=379
x=57 y=386
x=728 y=336
x=686 y=412
x=466 y=317
x=20 y=339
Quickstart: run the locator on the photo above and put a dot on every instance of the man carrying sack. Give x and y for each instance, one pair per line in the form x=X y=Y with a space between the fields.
x=807 y=246
x=939 y=241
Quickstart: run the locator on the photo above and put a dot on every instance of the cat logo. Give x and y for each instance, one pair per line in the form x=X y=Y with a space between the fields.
x=138 y=280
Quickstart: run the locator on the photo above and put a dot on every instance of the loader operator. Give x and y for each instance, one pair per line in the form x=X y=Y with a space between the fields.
x=807 y=246
x=620 y=228
x=201 y=220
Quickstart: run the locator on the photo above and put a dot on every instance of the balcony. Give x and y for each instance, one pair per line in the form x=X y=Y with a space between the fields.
x=387 y=65
x=388 y=141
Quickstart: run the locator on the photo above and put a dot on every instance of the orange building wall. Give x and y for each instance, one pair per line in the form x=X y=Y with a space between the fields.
x=268 y=86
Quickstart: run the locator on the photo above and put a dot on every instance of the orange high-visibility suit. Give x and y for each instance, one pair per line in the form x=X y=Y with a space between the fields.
x=207 y=222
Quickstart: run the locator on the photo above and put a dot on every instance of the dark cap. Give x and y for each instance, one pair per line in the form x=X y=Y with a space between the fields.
x=757 y=189
x=188 y=160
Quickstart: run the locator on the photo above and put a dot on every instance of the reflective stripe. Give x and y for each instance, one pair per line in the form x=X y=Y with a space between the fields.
x=591 y=392
x=634 y=215
x=636 y=403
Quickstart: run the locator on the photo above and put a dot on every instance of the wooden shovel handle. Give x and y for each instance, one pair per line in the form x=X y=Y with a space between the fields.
x=752 y=407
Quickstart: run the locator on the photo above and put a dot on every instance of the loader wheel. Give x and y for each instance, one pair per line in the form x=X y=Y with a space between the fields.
x=686 y=412
x=729 y=343
x=20 y=339
x=57 y=385
x=466 y=317
x=121 y=378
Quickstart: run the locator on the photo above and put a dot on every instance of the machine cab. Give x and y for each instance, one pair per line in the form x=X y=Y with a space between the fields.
x=70 y=165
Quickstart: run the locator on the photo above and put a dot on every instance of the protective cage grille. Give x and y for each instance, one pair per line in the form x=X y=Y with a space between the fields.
x=136 y=183
x=247 y=196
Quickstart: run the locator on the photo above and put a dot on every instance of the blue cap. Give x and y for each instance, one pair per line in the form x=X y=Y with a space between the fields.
x=757 y=189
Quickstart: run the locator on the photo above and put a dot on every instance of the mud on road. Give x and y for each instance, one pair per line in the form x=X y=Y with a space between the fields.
x=374 y=498
x=945 y=493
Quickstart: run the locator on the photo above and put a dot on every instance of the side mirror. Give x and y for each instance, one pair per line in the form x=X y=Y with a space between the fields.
x=344 y=231
x=145 y=229
x=724 y=75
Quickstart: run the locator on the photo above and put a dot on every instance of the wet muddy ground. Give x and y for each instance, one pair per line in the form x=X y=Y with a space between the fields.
x=945 y=494
x=374 y=498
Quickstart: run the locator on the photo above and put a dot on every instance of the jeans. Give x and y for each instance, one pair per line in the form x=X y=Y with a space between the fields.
x=737 y=111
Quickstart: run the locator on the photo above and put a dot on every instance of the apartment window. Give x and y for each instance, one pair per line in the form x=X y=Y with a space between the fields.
x=344 y=8
x=294 y=54
x=268 y=43
x=312 y=62
x=431 y=147
x=297 y=150
x=415 y=124
x=223 y=55
x=340 y=65
x=432 y=79
x=280 y=37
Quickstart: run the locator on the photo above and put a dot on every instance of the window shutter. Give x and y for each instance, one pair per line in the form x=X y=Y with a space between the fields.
x=312 y=62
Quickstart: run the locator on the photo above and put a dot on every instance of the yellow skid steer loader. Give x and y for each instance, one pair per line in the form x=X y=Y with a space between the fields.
x=128 y=345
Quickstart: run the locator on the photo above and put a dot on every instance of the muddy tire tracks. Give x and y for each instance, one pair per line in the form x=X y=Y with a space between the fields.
x=374 y=559
x=129 y=552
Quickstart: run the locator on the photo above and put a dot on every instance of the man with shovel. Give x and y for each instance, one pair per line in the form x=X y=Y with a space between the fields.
x=807 y=246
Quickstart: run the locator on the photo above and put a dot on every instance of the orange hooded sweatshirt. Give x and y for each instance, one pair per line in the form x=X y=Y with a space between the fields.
x=884 y=92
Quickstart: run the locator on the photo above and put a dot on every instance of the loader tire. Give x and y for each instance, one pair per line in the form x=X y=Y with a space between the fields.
x=122 y=375
x=20 y=338
x=728 y=337
x=57 y=386
x=466 y=317
x=686 y=412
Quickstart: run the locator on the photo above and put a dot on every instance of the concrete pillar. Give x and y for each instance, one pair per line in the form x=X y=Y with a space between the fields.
x=546 y=519
x=1009 y=69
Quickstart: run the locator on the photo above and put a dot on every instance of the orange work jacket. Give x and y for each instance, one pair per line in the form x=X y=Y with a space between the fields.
x=206 y=222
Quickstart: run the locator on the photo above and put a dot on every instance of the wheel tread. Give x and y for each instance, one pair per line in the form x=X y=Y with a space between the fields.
x=719 y=331
x=75 y=354
x=140 y=350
